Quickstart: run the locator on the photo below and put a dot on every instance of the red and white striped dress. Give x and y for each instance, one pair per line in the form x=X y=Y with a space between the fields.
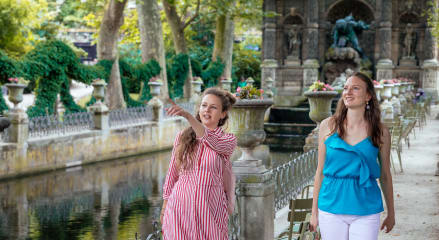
x=197 y=200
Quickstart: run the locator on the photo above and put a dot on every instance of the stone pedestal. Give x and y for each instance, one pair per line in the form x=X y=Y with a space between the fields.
x=19 y=128
x=384 y=69
x=430 y=78
x=310 y=72
x=407 y=61
x=157 y=107
x=100 y=115
x=256 y=204
x=292 y=61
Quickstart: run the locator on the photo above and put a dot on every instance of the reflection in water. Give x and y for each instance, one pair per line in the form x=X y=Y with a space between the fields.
x=109 y=200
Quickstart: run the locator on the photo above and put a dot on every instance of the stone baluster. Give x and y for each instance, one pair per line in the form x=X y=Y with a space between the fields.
x=430 y=66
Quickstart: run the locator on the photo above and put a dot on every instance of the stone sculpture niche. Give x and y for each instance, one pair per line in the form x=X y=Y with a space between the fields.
x=293 y=38
x=408 y=43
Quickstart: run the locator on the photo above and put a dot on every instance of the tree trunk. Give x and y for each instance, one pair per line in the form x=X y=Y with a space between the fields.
x=220 y=38
x=177 y=27
x=151 y=38
x=109 y=32
x=107 y=50
x=114 y=94
x=228 y=48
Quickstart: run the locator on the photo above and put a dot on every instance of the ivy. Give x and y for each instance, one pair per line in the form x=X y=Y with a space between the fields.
x=177 y=70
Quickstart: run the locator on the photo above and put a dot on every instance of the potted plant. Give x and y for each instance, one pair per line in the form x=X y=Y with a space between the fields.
x=16 y=87
x=320 y=97
x=247 y=123
x=155 y=84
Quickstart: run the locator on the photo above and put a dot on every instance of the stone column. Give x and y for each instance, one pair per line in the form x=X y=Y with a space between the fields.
x=269 y=62
x=430 y=66
x=311 y=64
x=384 y=67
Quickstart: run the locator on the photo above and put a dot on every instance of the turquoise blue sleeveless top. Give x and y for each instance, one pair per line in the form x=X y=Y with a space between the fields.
x=349 y=185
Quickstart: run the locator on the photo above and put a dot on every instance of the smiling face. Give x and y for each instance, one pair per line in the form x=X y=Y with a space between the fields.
x=355 y=93
x=211 y=111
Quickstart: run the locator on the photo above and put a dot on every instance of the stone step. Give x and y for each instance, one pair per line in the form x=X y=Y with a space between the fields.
x=289 y=128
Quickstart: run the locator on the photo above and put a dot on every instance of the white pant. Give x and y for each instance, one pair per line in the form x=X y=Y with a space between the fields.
x=348 y=227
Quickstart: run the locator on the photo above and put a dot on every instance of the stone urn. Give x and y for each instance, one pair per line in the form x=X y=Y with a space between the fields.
x=250 y=81
x=386 y=105
x=15 y=93
x=395 y=99
x=226 y=84
x=99 y=89
x=154 y=87
x=247 y=123
x=196 y=85
x=378 y=89
x=320 y=108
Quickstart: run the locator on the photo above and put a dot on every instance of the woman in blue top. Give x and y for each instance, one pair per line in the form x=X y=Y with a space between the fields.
x=354 y=150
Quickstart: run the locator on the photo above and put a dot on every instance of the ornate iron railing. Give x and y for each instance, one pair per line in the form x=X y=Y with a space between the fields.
x=188 y=106
x=56 y=125
x=128 y=116
x=292 y=176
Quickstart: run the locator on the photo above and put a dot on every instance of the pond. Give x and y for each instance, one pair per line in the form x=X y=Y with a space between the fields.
x=108 y=200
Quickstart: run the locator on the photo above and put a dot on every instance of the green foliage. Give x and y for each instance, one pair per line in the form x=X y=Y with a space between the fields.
x=177 y=70
x=246 y=63
x=211 y=75
x=432 y=14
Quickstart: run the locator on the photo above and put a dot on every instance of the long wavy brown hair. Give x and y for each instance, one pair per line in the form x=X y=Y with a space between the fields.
x=372 y=115
x=187 y=141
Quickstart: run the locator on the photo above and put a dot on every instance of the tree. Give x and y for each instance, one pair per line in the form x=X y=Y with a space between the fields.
x=151 y=35
x=107 y=50
x=178 y=25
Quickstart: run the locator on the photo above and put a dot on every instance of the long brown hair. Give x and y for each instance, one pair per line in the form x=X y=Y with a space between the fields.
x=187 y=142
x=372 y=115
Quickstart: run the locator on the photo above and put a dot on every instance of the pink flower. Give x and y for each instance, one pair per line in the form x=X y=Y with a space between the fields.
x=324 y=89
x=238 y=89
x=261 y=90
x=315 y=90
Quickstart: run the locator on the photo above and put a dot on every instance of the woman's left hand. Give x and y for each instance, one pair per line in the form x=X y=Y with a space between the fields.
x=388 y=223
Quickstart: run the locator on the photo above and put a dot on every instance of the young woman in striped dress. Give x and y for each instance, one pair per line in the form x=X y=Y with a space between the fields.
x=198 y=192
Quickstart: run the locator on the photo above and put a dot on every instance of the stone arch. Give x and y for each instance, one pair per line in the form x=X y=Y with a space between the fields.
x=409 y=17
x=361 y=10
x=293 y=20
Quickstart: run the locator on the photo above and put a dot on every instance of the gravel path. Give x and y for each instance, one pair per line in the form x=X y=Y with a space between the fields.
x=417 y=189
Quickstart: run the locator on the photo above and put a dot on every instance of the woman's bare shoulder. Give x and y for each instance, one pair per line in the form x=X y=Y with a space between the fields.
x=326 y=126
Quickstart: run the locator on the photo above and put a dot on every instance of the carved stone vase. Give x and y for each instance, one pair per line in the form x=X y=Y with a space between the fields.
x=320 y=108
x=247 y=123
x=15 y=93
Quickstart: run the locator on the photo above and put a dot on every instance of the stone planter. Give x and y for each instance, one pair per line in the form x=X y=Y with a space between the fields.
x=395 y=99
x=250 y=81
x=226 y=84
x=320 y=108
x=196 y=86
x=378 y=89
x=15 y=93
x=154 y=88
x=386 y=106
x=247 y=123
x=99 y=90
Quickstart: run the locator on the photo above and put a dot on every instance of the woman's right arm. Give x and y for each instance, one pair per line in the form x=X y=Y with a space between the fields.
x=318 y=178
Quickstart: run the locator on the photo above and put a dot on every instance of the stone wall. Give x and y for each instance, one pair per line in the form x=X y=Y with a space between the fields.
x=43 y=154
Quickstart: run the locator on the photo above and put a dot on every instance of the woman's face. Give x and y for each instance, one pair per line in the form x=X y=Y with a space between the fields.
x=211 y=111
x=355 y=93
